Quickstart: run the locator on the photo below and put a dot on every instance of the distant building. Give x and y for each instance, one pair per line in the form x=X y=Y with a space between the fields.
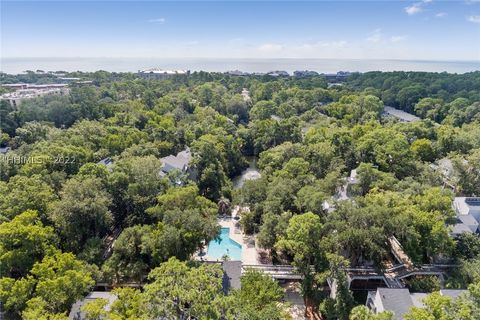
x=69 y=79
x=305 y=74
x=400 y=115
x=447 y=171
x=158 y=74
x=445 y=166
x=343 y=75
x=334 y=85
x=84 y=82
x=77 y=314
x=28 y=91
x=400 y=301
x=339 y=76
x=18 y=86
x=107 y=162
x=237 y=73
x=345 y=191
x=15 y=86
x=246 y=95
x=467 y=210
x=278 y=73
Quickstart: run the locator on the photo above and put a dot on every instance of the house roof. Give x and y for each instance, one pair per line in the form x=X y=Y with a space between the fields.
x=452 y=293
x=417 y=299
x=464 y=205
x=75 y=312
x=106 y=162
x=398 y=301
x=460 y=228
x=402 y=115
x=468 y=219
x=467 y=210
x=232 y=271
x=179 y=161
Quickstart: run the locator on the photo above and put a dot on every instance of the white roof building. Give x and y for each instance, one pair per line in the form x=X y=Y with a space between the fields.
x=160 y=71
x=401 y=115
x=467 y=210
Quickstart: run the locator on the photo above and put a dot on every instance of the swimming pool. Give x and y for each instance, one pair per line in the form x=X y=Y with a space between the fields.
x=223 y=245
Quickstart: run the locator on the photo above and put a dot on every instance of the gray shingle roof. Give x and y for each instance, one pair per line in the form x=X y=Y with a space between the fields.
x=402 y=115
x=398 y=301
x=452 y=293
x=180 y=161
x=232 y=271
x=77 y=314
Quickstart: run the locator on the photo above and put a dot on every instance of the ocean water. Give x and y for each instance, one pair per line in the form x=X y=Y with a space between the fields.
x=18 y=65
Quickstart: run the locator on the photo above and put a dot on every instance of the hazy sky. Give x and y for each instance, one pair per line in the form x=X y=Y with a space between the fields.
x=432 y=30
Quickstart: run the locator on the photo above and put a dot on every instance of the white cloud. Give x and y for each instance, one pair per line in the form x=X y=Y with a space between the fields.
x=441 y=14
x=375 y=36
x=417 y=7
x=270 y=47
x=414 y=9
x=398 y=38
x=157 y=20
x=474 y=19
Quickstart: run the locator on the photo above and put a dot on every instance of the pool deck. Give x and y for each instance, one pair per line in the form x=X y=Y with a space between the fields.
x=248 y=243
x=249 y=249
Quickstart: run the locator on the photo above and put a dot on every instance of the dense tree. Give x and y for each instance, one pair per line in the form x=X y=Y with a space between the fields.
x=468 y=176
x=22 y=193
x=363 y=313
x=82 y=212
x=179 y=291
x=24 y=241
x=307 y=138
x=342 y=304
x=468 y=246
x=52 y=286
x=273 y=228
x=388 y=149
x=258 y=298
x=429 y=108
x=135 y=183
x=370 y=177
x=130 y=259
x=210 y=163
x=423 y=149
x=438 y=306
x=302 y=242
x=354 y=109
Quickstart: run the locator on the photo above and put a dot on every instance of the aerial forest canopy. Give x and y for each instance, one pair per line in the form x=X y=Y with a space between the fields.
x=60 y=205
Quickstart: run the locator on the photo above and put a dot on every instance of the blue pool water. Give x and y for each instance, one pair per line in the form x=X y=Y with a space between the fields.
x=223 y=245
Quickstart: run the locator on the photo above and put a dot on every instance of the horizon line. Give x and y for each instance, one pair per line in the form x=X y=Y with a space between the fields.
x=237 y=58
